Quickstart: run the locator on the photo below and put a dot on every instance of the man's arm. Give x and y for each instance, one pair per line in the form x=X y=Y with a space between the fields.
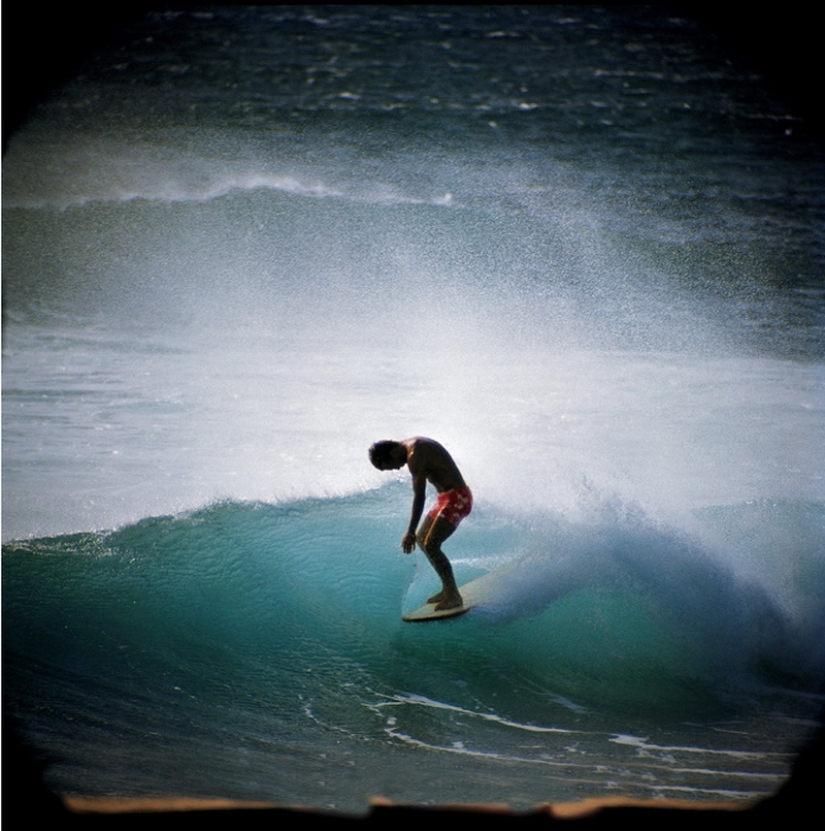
x=419 y=496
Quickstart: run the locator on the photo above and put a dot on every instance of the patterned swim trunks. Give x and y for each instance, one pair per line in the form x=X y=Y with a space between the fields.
x=453 y=505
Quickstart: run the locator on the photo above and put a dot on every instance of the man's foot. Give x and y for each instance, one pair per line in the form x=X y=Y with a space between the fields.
x=448 y=601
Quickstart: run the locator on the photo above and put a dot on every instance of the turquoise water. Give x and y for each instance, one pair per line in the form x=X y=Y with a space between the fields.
x=581 y=247
x=257 y=651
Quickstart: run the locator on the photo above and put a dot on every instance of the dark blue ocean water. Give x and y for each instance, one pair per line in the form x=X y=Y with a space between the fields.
x=580 y=246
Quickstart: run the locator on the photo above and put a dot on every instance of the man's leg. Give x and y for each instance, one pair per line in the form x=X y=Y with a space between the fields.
x=430 y=536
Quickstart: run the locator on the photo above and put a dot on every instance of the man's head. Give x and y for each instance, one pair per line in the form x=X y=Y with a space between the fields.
x=388 y=455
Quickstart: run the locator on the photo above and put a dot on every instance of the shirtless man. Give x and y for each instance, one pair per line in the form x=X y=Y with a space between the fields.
x=428 y=461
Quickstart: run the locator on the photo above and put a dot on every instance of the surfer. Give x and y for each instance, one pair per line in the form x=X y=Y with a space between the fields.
x=428 y=461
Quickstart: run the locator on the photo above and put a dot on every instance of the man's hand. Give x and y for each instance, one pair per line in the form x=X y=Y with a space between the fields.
x=408 y=543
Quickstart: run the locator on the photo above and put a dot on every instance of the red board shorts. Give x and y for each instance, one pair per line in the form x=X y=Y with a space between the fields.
x=453 y=505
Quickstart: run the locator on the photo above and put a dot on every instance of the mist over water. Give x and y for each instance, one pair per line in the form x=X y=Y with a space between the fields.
x=580 y=248
x=206 y=332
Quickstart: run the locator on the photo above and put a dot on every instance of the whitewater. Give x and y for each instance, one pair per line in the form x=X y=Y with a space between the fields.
x=580 y=247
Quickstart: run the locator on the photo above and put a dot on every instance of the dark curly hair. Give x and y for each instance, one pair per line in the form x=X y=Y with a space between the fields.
x=381 y=451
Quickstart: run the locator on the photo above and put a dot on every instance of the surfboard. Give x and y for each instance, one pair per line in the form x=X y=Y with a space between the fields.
x=429 y=612
x=472 y=593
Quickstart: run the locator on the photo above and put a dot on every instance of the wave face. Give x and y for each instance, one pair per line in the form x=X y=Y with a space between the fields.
x=580 y=247
x=257 y=651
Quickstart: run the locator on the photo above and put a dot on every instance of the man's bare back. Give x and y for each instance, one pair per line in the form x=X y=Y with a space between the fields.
x=428 y=461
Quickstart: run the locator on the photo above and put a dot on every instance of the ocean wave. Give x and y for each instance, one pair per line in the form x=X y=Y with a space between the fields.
x=624 y=614
x=42 y=174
